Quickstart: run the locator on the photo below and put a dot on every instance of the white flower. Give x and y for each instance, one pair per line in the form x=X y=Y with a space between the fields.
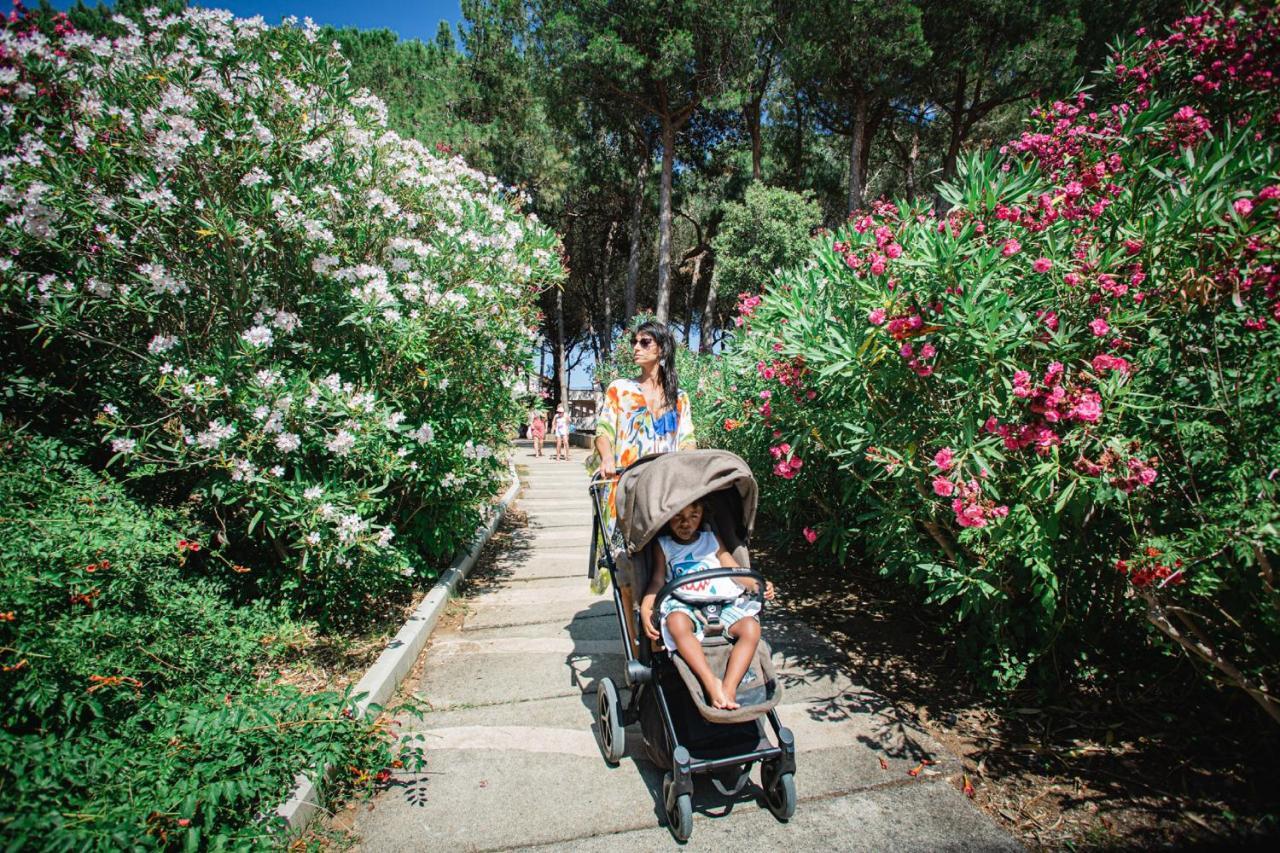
x=214 y=435
x=287 y=442
x=285 y=321
x=341 y=443
x=394 y=420
x=277 y=470
x=123 y=445
x=313 y=538
x=313 y=493
x=110 y=410
x=268 y=378
x=161 y=343
x=423 y=434
x=254 y=177
x=258 y=336
x=385 y=536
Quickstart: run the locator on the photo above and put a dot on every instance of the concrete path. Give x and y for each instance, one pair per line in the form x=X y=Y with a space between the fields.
x=513 y=760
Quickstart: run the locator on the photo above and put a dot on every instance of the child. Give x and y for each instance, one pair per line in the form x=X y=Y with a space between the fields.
x=686 y=548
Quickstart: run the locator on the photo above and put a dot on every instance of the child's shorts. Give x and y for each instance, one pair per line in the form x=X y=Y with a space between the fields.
x=730 y=611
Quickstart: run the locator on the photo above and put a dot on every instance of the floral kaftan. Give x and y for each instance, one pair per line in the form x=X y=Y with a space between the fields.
x=633 y=431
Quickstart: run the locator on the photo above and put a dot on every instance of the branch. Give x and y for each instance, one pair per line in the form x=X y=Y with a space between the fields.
x=1158 y=616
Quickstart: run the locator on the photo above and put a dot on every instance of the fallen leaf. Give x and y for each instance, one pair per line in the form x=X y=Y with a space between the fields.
x=884 y=765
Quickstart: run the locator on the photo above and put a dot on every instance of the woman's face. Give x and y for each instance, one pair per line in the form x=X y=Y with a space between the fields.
x=687 y=521
x=644 y=349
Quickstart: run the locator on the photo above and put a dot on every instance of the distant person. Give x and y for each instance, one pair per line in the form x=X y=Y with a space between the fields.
x=560 y=426
x=537 y=430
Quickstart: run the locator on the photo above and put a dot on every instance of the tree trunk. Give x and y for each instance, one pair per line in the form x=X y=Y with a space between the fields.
x=561 y=368
x=542 y=362
x=693 y=289
x=637 y=217
x=664 y=221
x=751 y=112
x=606 y=333
x=707 y=331
x=797 y=152
x=913 y=156
x=956 y=138
x=857 y=145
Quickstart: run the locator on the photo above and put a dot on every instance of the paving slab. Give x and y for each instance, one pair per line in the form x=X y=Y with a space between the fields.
x=910 y=818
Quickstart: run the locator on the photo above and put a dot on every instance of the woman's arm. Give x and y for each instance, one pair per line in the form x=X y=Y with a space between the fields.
x=684 y=431
x=607 y=431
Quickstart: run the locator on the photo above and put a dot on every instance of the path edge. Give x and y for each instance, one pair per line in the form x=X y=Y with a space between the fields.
x=380 y=681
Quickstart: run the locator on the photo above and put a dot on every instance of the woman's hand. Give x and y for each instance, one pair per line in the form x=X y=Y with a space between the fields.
x=769 y=593
x=646 y=621
x=608 y=469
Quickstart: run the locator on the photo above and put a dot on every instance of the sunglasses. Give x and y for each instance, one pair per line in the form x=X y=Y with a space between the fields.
x=643 y=343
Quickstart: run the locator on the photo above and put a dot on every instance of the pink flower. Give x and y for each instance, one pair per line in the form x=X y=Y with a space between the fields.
x=991 y=425
x=876 y=317
x=766 y=394
x=1072 y=279
x=1099 y=327
x=1088 y=408
x=810 y=535
x=1243 y=207
x=1042 y=265
x=1011 y=247
x=943 y=487
x=878 y=265
x=943 y=459
x=1133 y=247
x=893 y=250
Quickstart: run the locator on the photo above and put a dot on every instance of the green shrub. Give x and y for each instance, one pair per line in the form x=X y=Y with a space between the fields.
x=139 y=707
x=1053 y=410
x=268 y=301
x=765 y=232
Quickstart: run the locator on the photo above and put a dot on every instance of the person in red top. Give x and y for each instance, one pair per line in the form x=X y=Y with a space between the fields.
x=537 y=430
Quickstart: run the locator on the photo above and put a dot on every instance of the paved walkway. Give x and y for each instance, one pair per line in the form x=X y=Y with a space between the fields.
x=512 y=754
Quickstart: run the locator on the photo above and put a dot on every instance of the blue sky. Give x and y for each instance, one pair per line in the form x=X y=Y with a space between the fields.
x=418 y=19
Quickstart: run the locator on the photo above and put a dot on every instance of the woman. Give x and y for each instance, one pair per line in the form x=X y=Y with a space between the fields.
x=560 y=426
x=537 y=430
x=648 y=414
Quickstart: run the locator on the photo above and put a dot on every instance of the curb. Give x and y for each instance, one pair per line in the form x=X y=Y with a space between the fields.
x=382 y=679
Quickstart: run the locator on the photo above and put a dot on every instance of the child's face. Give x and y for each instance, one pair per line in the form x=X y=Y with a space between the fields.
x=687 y=521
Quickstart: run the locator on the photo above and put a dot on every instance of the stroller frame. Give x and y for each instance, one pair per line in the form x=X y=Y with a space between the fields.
x=648 y=671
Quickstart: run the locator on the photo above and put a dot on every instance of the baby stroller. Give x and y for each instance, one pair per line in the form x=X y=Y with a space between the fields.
x=683 y=734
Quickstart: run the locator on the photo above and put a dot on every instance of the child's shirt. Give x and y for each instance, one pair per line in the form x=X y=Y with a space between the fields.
x=697 y=556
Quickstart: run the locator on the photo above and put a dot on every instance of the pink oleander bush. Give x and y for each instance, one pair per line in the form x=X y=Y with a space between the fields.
x=1056 y=408
x=222 y=270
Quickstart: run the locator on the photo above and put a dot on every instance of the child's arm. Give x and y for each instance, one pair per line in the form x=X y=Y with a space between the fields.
x=651 y=593
x=749 y=584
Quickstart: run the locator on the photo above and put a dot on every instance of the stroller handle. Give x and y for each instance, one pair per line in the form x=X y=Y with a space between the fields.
x=711 y=574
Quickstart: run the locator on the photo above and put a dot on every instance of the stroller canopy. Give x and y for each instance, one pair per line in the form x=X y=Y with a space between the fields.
x=657 y=487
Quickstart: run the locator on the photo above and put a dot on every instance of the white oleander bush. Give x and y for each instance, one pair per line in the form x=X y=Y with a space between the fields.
x=222 y=268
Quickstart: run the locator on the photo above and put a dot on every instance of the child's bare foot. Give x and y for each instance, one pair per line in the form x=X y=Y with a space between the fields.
x=719 y=699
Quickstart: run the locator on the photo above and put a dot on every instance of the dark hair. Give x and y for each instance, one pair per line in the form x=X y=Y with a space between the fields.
x=666 y=358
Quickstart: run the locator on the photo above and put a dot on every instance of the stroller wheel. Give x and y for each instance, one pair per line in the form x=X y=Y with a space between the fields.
x=613 y=737
x=679 y=810
x=780 y=794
